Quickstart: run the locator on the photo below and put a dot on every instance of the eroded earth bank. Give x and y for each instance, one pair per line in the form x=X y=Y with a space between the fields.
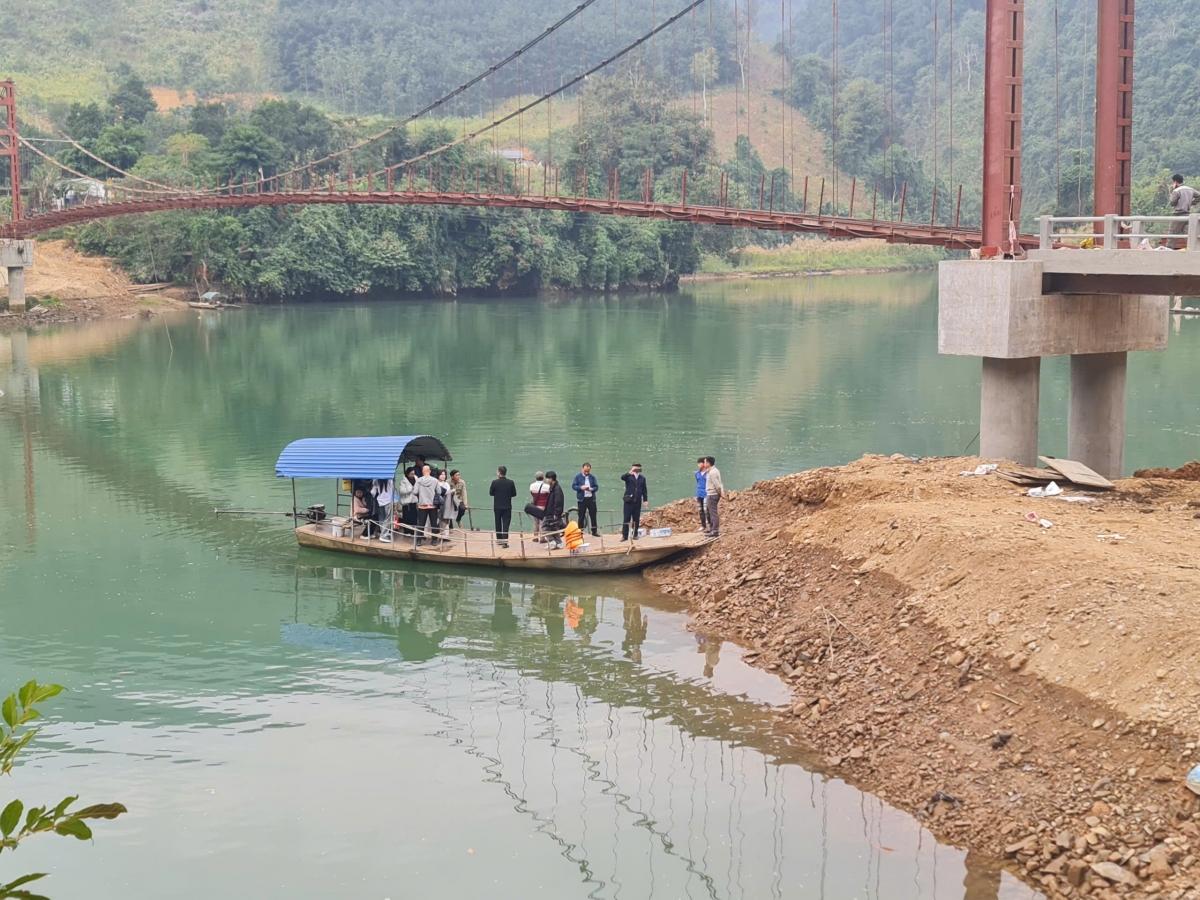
x=1030 y=692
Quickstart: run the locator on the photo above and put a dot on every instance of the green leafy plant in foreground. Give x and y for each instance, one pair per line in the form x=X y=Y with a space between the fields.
x=18 y=711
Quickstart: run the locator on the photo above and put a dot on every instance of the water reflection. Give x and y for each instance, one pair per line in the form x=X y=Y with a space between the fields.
x=571 y=732
x=591 y=716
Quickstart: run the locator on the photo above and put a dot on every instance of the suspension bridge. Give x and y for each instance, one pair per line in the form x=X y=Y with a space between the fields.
x=816 y=209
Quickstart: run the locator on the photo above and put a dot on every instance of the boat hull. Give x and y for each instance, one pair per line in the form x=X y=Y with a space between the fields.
x=478 y=549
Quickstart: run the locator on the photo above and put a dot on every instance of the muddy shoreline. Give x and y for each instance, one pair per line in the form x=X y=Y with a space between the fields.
x=929 y=672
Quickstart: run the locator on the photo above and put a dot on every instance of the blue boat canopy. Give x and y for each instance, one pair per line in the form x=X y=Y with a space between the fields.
x=364 y=457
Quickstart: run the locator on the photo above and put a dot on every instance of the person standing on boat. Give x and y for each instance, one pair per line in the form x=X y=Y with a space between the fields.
x=447 y=504
x=363 y=512
x=502 y=493
x=539 y=491
x=556 y=507
x=714 y=488
x=585 y=487
x=406 y=496
x=427 y=490
x=702 y=493
x=459 y=486
x=636 y=496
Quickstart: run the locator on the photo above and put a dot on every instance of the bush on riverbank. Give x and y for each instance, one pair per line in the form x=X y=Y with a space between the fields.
x=818 y=255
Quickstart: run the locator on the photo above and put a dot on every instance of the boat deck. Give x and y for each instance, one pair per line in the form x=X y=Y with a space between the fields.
x=606 y=553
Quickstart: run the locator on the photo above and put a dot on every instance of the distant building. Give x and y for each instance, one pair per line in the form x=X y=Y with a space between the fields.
x=520 y=156
x=78 y=191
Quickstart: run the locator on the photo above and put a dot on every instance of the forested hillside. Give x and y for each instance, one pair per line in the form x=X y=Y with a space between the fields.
x=884 y=95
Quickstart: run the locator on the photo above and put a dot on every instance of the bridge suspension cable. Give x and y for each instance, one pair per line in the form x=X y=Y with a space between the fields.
x=548 y=95
x=442 y=101
x=54 y=162
x=70 y=140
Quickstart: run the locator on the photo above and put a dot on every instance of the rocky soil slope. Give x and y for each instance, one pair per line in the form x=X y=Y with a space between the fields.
x=1029 y=691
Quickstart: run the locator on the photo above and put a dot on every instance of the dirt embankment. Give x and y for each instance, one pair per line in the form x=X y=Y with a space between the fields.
x=1032 y=692
x=65 y=286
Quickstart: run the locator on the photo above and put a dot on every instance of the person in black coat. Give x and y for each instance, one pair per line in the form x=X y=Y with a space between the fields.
x=553 y=523
x=502 y=491
x=636 y=496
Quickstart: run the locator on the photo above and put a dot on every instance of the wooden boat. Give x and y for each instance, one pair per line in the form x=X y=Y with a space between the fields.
x=606 y=553
x=346 y=460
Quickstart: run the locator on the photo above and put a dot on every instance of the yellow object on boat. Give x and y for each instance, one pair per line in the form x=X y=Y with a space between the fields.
x=573 y=536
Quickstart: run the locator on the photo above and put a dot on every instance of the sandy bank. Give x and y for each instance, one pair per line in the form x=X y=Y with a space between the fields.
x=71 y=287
x=940 y=645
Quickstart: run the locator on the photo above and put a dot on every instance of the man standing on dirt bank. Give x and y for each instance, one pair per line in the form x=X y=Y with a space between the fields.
x=713 y=489
x=702 y=493
x=636 y=495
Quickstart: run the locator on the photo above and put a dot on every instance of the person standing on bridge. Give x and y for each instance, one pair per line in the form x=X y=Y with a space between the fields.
x=1183 y=198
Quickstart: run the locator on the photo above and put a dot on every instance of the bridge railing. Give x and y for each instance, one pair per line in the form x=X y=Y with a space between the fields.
x=1117 y=232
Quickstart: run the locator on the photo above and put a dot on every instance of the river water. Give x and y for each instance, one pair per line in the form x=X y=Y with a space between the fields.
x=297 y=724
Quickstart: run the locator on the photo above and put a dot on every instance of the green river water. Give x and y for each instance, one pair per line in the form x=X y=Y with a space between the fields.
x=297 y=724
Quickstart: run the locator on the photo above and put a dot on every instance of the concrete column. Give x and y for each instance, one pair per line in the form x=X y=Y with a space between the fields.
x=1096 y=420
x=1008 y=412
x=16 y=289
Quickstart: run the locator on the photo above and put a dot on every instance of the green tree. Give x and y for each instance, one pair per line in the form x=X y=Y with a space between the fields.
x=861 y=124
x=628 y=126
x=18 y=711
x=131 y=101
x=247 y=150
x=812 y=78
x=303 y=132
x=85 y=121
x=186 y=147
x=210 y=119
x=121 y=145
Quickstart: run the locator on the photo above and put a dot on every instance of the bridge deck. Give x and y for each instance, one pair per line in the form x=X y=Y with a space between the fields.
x=832 y=226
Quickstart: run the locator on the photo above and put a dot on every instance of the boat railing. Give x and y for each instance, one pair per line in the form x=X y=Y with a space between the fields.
x=475 y=541
x=521 y=519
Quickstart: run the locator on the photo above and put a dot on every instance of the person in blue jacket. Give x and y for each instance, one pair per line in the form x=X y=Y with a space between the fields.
x=585 y=487
x=702 y=492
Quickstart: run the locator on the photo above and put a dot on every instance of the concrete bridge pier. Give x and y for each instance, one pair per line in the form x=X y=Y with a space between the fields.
x=1008 y=409
x=1096 y=415
x=997 y=309
x=16 y=256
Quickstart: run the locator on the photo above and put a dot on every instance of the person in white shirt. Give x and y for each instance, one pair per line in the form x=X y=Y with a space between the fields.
x=540 y=492
x=714 y=489
x=1183 y=198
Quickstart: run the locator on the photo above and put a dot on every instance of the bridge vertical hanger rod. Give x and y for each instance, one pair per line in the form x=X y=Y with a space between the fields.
x=1002 y=101
x=10 y=144
x=1114 y=106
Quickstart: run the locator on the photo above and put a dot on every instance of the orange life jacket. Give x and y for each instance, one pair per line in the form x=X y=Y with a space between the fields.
x=573 y=536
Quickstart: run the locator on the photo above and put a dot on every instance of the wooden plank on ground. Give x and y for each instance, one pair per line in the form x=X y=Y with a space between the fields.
x=1025 y=476
x=1077 y=473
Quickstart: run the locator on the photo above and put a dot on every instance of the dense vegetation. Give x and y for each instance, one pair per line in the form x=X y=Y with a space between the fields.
x=1059 y=98
x=627 y=125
